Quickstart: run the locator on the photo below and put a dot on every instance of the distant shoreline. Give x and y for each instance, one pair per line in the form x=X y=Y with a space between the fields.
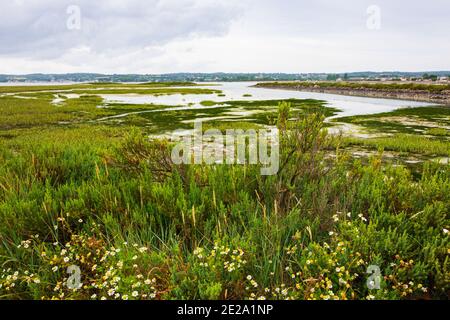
x=438 y=97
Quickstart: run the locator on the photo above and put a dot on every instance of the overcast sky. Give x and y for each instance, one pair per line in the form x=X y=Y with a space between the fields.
x=151 y=36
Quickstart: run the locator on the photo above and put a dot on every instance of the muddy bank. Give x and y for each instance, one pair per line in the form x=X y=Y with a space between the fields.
x=442 y=97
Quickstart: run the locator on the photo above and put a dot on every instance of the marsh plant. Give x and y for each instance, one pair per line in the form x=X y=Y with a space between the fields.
x=139 y=226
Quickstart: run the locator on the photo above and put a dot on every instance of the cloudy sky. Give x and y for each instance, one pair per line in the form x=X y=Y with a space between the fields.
x=162 y=36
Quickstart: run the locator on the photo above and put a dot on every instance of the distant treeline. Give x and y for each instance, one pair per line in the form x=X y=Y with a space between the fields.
x=208 y=77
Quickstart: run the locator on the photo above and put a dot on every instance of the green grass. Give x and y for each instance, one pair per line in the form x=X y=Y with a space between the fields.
x=223 y=126
x=361 y=85
x=439 y=132
x=208 y=103
x=405 y=138
x=435 y=114
x=408 y=127
x=151 y=91
x=102 y=196
x=26 y=113
x=405 y=143
x=95 y=85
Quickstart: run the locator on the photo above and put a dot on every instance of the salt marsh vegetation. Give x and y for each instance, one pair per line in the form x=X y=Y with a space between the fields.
x=105 y=196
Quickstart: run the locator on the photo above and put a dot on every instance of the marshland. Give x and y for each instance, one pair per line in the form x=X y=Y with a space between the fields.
x=86 y=179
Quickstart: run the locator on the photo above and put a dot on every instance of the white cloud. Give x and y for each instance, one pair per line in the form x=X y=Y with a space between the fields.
x=38 y=28
x=158 y=36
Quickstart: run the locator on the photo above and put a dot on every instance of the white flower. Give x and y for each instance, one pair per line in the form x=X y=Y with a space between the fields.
x=94 y=296
x=135 y=294
x=142 y=250
x=249 y=277
x=66 y=259
x=55 y=268
x=445 y=231
x=125 y=297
